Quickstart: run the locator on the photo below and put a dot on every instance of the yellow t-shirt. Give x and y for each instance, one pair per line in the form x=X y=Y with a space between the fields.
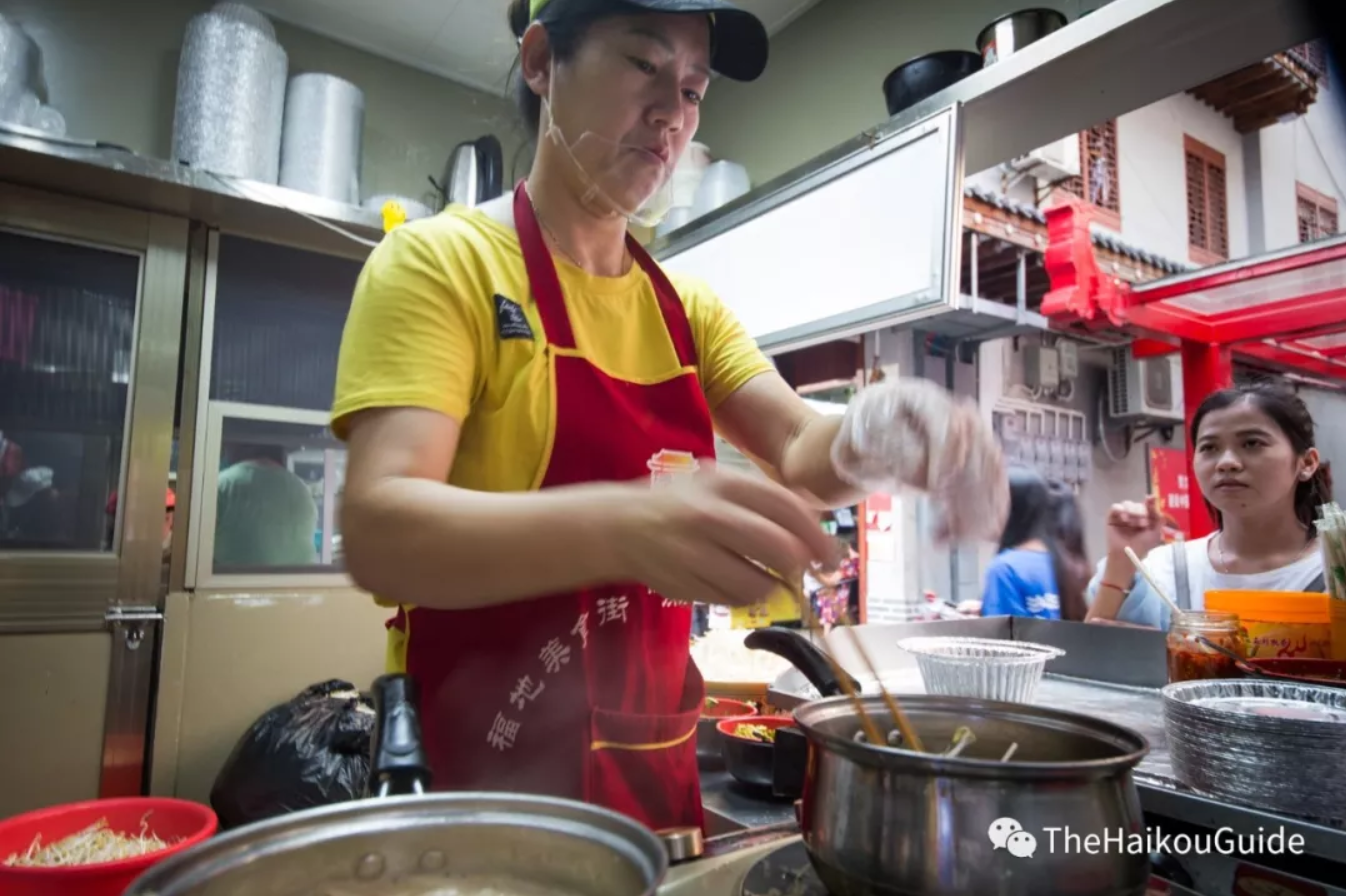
x=424 y=331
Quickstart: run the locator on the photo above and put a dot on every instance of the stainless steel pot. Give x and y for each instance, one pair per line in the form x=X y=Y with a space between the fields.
x=887 y=822
x=369 y=846
x=1009 y=34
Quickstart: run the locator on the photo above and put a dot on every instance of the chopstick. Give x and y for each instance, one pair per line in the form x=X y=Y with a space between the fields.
x=909 y=735
x=1154 y=586
x=871 y=730
x=1331 y=529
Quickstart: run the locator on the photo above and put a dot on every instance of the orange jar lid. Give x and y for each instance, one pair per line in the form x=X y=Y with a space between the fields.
x=1272 y=606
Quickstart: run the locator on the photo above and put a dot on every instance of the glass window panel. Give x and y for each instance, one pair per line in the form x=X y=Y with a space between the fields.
x=67 y=331
x=279 y=313
x=275 y=508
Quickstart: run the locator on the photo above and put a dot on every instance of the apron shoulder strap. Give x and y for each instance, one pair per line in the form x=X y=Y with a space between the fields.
x=1181 y=581
x=542 y=279
x=550 y=299
x=670 y=304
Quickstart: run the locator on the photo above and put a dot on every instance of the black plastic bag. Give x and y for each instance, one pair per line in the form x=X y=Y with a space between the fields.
x=311 y=751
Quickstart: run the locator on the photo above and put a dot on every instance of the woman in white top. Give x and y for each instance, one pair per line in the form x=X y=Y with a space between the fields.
x=1263 y=481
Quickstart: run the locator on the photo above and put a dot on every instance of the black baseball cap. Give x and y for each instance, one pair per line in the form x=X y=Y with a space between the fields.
x=739 y=43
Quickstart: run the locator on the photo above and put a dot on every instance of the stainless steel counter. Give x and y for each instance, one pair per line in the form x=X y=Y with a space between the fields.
x=1161 y=793
x=732 y=807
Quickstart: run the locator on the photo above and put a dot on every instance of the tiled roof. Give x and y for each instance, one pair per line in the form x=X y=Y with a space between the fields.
x=1102 y=238
x=1004 y=203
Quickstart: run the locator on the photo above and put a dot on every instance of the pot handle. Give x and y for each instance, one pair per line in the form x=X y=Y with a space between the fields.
x=1170 y=870
x=803 y=654
x=398 y=764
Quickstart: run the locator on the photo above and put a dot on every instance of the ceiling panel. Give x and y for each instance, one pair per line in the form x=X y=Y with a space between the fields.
x=402 y=36
x=464 y=40
x=475 y=45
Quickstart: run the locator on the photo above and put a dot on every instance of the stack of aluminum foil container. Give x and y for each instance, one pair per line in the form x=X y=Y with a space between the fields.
x=20 y=77
x=17 y=63
x=231 y=95
x=1270 y=744
x=321 y=147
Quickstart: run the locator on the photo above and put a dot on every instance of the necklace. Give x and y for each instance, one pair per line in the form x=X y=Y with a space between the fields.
x=556 y=244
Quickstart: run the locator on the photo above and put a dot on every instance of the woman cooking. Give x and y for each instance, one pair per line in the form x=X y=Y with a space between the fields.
x=510 y=379
x=1261 y=477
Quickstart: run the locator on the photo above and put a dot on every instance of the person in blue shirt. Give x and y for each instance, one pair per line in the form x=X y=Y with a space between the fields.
x=1041 y=570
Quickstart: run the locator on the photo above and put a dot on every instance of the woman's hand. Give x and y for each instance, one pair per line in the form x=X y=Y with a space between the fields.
x=707 y=539
x=1138 y=526
x=910 y=432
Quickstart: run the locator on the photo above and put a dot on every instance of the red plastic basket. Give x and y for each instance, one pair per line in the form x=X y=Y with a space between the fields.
x=169 y=819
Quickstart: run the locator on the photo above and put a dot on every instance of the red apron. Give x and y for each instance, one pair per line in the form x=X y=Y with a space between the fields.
x=588 y=695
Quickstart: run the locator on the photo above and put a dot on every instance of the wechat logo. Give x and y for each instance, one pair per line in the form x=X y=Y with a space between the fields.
x=1009 y=835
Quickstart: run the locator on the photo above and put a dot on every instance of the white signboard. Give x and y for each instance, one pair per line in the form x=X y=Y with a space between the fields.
x=865 y=242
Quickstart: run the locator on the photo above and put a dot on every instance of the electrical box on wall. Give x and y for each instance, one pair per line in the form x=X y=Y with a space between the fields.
x=1052 y=440
x=1069 y=354
x=1042 y=367
x=1145 y=388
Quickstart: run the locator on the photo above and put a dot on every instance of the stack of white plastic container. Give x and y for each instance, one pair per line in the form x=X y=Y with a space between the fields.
x=700 y=186
x=686 y=178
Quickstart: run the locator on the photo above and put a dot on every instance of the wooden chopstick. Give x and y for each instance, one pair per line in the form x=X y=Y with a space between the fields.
x=1173 y=608
x=871 y=730
x=909 y=735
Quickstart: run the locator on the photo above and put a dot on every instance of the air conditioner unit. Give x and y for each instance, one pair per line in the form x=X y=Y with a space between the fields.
x=1147 y=389
x=1054 y=162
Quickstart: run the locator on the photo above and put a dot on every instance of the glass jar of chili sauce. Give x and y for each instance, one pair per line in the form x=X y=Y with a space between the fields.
x=1189 y=660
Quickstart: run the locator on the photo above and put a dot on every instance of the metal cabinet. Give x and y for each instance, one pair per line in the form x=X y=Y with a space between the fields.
x=272 y=320
x=91 y=303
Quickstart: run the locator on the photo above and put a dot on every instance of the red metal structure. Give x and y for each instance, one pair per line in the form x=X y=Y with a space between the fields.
x=1285 y=310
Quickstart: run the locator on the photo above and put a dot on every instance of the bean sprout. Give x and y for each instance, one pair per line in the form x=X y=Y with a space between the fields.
x=94 y=845
x=962 y=738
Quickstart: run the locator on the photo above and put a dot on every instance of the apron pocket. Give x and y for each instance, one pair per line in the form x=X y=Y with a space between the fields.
x=644 y=766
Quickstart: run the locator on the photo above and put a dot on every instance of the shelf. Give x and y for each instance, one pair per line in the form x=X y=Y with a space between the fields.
x=1121 y=57
x=122 y=178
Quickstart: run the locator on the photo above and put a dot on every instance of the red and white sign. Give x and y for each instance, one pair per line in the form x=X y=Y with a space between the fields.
x=1171 y=484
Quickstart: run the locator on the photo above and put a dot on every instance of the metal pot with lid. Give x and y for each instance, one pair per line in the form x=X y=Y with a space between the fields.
x=888 y=821
x=885 y=821
x=1009 y=34
x=407 y=843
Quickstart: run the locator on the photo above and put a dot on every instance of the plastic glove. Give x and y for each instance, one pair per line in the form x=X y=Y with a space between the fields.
x=910 y=432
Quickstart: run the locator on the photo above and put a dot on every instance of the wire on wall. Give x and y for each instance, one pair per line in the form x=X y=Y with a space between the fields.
x=1103 y=443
